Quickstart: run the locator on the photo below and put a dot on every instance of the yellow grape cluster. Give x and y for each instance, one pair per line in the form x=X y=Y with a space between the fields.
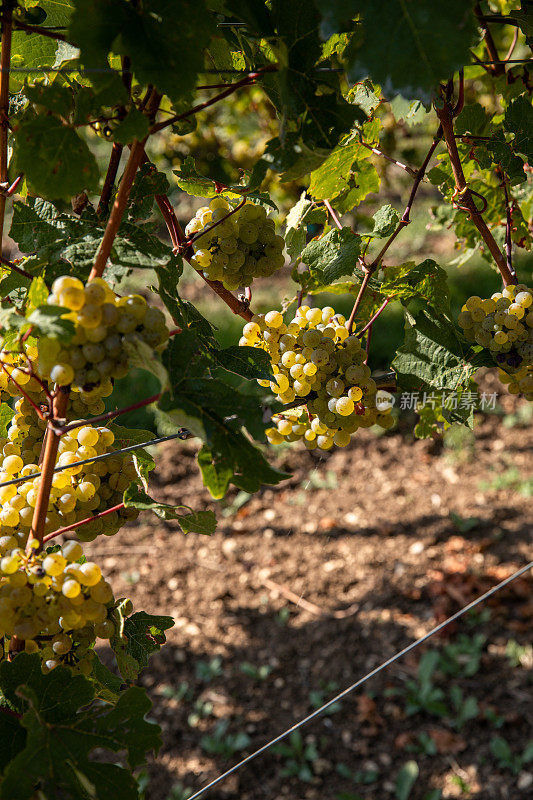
x=77 y=492
x=314 y=358
x=55 y=605
x=503 y=323
x=242 y=247
x=104 y=323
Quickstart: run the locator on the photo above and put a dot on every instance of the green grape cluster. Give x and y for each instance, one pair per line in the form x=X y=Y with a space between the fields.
x=78 y=492
x=315 y=357
x=503 y=324
x=239 y=249
x=54 y=604
x=104 y=323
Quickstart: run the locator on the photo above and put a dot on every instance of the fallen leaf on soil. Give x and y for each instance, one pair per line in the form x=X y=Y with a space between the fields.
x=447 y=742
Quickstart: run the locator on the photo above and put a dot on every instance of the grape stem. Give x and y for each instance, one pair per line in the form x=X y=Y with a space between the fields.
x=403 y=222
x=62 y=429
x=5 y=62
x=23 y=393
x=445 y=116
x=85 y=521
x=497 y=68
x=135 y=159
x=370 y=322
x=109 y=181
x=508 y=223
x=358 y=299
x=27 y=28
x=178 y=239
x=332 y=214
x=117 y=149
x=246 y=81
x=405 y=167
x=59 y=408
x=189 y=242
x=14 y=267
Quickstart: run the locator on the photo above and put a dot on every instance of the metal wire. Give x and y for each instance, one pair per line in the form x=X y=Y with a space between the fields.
x=361 y=681
x=182 y=434
x=88 y=70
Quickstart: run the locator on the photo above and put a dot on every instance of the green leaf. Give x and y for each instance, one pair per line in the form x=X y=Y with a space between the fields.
x=142 y=356
x=38 y=293
x=518 y=120
x=426 y=281
x=56 y=162
x=148 y=183
x=432 y=354
x=63 y=729
x=407 y=46
x=385 y=219
x=347 y=170
x=12 y=736
x=304 y=213
x=250 y=362
x=406 y=780
x=49 y=320
x=332 y=256
x=6 y=415
x=143 y=635
x=107 y=686
x=54 y=97
x=124 y=437
x=199 y=522
x=135 y=125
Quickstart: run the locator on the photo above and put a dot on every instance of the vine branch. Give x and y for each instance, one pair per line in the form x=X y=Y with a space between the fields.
x=464 y=192
x=496 y=68
x=5 y=62
x=178 y=239
x=248 y=80
x=59 y=408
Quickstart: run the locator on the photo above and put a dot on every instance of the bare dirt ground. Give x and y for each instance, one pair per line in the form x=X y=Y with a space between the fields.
x=307 y=586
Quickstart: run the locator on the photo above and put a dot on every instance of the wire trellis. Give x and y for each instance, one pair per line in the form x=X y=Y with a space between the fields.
x=361 y=681
x=182 y=434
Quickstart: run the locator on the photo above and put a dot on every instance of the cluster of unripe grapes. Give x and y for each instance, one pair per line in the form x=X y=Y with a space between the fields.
x=315 y=358
x=104 y=323
x=242 y=247
x=54 y=604
x=503 y=324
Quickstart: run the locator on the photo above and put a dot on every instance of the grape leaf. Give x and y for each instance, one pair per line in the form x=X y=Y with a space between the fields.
x=143 y=635
x=432 y=354
x=148 y=183
x=407 y=46
x=195 y=522
x=426 y=281
x=385 y=219
x=134 y=126
x=124 y=437
x=62 y=729
x=519 y=120
x=107 y=686
x=304 y=213
x=331 y=257
x=49 y=320
x=56 y=162
x=250 y=362
x=6 y=415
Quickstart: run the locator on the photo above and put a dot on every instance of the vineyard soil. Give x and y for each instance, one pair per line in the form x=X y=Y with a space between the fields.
x=384 y=539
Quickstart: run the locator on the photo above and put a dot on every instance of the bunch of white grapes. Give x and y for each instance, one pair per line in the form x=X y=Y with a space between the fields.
x=503 y=323
x=315 y=358
x=104 y=323
x=54 y=605
x=78 y=491
x=244 y=246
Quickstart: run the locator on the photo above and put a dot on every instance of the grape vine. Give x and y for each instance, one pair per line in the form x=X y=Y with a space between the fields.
x=315 y=116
